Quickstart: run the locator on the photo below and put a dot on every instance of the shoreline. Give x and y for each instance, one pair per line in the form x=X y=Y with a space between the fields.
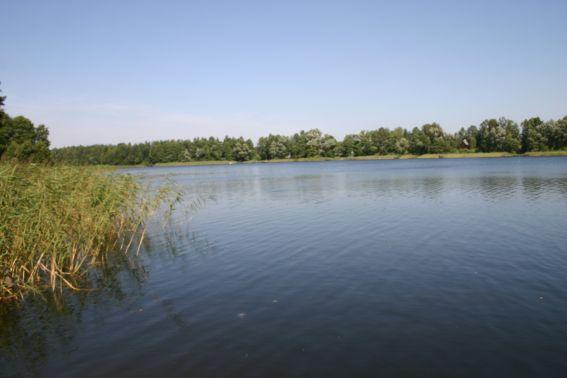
x=453 y=155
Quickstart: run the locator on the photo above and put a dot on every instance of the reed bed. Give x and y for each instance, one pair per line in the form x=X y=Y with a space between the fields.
x=58 y=224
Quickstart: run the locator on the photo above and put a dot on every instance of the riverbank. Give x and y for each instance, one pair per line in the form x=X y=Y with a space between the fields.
x=457 y=155
x=59 y=224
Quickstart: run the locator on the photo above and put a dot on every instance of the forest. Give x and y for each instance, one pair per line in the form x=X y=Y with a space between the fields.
x=21 y=140
x=492 y=135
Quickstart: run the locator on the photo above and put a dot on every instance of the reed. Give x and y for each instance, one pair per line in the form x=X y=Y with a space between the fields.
x=58 y=224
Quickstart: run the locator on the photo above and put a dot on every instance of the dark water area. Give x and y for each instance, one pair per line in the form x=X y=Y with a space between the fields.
x=409 y=268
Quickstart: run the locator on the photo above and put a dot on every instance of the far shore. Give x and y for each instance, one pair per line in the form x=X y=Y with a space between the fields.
x=455 y=155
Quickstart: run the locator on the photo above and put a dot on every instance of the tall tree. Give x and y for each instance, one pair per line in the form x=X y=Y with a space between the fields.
x=532 y=136
x=21 y=140
x=499 y=135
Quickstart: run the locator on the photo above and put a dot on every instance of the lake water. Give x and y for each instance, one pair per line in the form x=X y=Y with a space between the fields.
x=441 y=268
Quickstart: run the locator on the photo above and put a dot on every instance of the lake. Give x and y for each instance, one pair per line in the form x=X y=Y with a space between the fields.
x=406 y=268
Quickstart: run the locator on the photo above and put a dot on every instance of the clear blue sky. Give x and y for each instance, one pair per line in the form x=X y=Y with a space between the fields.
x=129 y=71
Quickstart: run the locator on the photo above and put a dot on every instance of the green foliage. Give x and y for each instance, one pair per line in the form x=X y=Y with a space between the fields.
x=533 y=138
x=57 y=224
x=544 y=136
x=2 y=99
x=493 y=135
x=273 y=147
x=499 y=135
x=467 y=138
x=243 y=150
x=20 y=140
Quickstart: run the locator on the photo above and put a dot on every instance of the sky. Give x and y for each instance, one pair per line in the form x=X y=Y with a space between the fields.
x=131 y=71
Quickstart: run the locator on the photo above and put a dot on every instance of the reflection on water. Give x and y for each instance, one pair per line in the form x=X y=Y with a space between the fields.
x=30 y=330
x=394 y=268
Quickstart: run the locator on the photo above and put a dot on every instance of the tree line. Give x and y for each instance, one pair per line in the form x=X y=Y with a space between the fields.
x=21 y=140
x=492 y=135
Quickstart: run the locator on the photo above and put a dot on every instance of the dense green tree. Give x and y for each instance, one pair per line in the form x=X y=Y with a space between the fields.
x=328 y=146
x=555 y=133
x=466 y=138
x=351 y=146
x=297 y=145
x=357 y=145
x=380 y=141
x=21 y=140
x=2 y=99
x=418 y=142
x=560 y=137
x=228 y=145
x=273 y=147
x=243 y=150
x=313 y=143
x=499 y=135
x=533 y=138
x=492 y=135
x=398 y=142
x=435 y=139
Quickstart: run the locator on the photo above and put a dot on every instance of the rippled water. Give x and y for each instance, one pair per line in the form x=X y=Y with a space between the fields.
x=371 y=268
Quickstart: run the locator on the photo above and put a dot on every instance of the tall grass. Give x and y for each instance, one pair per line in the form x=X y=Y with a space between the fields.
x=57 y=224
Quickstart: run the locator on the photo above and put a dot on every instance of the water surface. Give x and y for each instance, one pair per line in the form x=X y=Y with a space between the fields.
x=450 y=267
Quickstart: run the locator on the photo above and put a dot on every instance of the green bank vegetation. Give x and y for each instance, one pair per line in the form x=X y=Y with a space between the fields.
x=60 y=224
x=547 y=153
x=493 y=137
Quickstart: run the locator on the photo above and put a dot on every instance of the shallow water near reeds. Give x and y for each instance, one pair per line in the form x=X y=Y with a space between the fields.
x=450 y=267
